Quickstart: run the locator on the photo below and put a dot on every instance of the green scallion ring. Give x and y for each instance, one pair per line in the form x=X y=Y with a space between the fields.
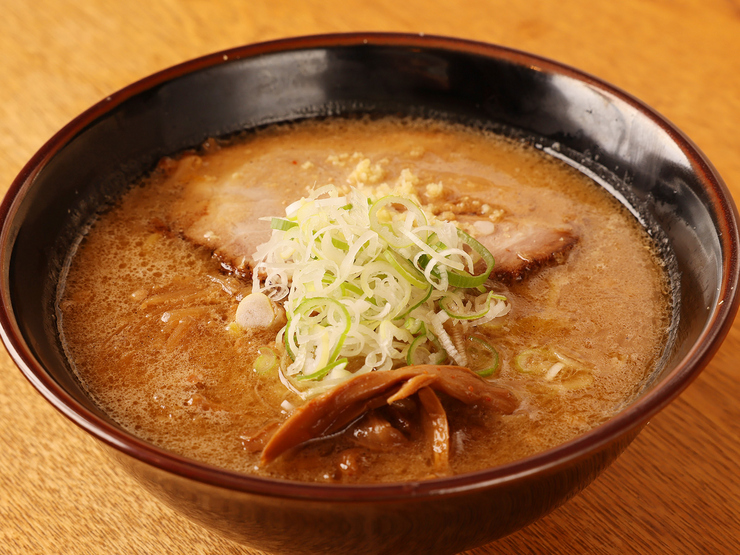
x=424 y=299
x=406 y=269
x=491 y=367
x=386 y=231
x=266 y=361
x=338 y=243
x=282 y=224
x=444 y=302
x=319 y=374
x=308 y=306
x=461 y=278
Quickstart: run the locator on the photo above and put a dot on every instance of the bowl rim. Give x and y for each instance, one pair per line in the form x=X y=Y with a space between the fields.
x=630 y=419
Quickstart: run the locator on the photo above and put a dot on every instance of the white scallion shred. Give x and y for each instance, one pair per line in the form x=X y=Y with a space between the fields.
x=350 y=310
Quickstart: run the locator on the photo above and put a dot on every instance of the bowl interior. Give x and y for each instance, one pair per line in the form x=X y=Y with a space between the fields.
x=628 y=148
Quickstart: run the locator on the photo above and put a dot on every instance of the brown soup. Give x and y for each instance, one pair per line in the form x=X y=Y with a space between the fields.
x=147 y=304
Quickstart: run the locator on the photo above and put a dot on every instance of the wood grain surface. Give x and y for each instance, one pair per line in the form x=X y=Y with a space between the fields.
x=675 y=490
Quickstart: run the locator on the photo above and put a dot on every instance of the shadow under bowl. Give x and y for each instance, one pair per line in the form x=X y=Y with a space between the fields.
x=624 y=145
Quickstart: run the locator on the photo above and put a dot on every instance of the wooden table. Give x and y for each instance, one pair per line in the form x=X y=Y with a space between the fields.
x=675 y=490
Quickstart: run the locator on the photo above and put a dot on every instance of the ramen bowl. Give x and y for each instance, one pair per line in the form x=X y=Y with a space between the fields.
x=636 y=154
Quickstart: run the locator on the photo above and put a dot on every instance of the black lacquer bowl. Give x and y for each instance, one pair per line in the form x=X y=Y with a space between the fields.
x=616 y=139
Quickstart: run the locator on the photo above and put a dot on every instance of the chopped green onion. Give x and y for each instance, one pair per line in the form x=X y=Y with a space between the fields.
x=483 y=358
x=416 y=305
x=282 y=224
x=369 y=279
x=406 y=269
x=316 y=311
x=461 y=278
x=391 y=232
x=350 y=288
x=266 y=361
x=415 y=326
x=341 y=245
x=419 y=353
x=286 y=343
x=324 y=371
x=453 y=309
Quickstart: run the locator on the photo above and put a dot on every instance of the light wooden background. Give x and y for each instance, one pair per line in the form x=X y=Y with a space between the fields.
x=677 y=488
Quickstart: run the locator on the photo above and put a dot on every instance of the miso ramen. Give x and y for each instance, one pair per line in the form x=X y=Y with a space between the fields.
x=363 y=301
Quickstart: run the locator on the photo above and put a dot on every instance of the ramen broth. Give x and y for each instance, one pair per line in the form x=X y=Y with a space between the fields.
x=146 y=310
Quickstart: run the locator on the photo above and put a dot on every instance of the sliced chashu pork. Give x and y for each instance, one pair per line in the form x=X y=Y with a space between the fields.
x=223 y=214
x=521 y=248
